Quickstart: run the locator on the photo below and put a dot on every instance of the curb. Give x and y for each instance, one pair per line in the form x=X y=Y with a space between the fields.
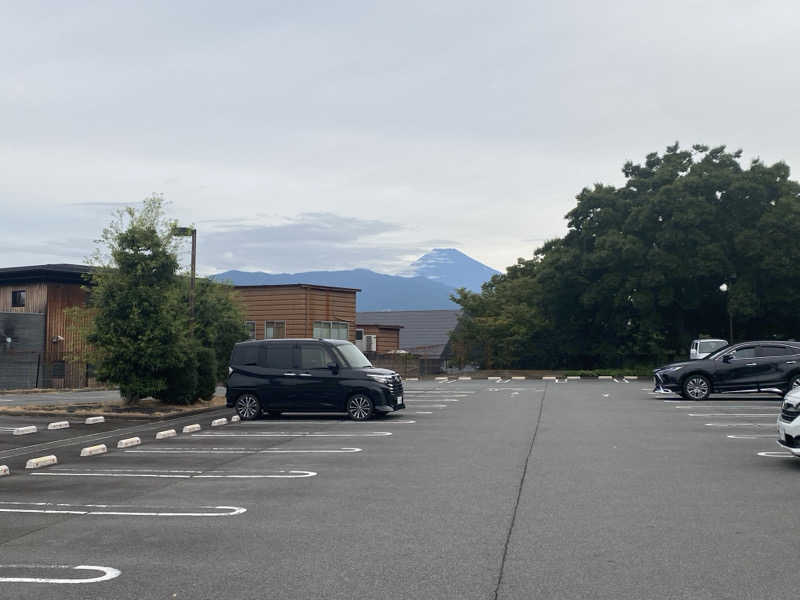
x=94 y=420
x=235 y=419
x=550 y=378
x=605 y=377
x=218 y=422
x=631 y=377
x=46 y=413
x=573 y=377
x=167 y=433
x=128 y=442
x=58 y=425
x=518 y=378
x=41 y=461
x=94 y=450
x=26 y=430
x=4 y=470
x=191 y=428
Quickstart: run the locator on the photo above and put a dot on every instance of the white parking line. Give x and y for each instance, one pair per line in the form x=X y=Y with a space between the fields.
x=752 y=436
x=389 y=421
x=188 y=475
x=107 y=573
x=240 y=451
x=431 y=406
x=423 y=412
x=735 y=406
x=116 y=510
x=770 y=424
x=295 y=434
x=433 y=400
x=733 y=414
x=776 y=454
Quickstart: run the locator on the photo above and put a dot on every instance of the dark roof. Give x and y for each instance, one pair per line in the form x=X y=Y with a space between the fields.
x=424 y=332
x=63 y=273
x=305 y=285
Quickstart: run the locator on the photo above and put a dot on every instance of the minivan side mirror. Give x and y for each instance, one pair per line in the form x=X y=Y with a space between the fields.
x=333 y=367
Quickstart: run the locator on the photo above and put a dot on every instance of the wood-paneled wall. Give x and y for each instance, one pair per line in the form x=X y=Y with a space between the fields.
x=35 y=297
x=299 y=307
x=387 y=338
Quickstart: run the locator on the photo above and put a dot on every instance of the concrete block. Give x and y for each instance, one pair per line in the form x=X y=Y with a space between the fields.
x=441 y=379
x=519 y=377
x=412 y=378
x=573 y=377
x=59 y=425
x=41 y=461
x=235 y=419
x=25 y=430
x=464 y=378
x=128 y=442
x=94 y=420
x=550 y=378
x=608 y=377
x=631 y=377
x=93 y=450
x=167 y=433
x=218 y=422
x=191 y=428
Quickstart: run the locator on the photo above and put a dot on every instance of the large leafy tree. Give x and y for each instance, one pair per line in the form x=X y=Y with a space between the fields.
x=637 y=275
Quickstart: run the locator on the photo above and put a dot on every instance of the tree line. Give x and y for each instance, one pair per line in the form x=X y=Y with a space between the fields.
x=640 y=272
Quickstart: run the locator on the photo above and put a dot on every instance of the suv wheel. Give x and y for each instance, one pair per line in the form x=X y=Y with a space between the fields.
x=696 y=387
x=359 y=407
x=248 y=407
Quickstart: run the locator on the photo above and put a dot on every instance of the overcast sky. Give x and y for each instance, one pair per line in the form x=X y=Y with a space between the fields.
x=322 y=135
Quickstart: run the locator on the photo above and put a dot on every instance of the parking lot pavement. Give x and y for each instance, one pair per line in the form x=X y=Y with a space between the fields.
x=523 y=489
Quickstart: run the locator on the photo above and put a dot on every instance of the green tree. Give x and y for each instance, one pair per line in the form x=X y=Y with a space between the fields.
x=219 y=322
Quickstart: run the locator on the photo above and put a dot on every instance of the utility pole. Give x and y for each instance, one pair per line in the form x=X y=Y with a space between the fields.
x=186 y=232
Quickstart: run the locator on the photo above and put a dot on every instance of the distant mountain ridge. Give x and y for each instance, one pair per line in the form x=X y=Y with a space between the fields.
x=433 y=278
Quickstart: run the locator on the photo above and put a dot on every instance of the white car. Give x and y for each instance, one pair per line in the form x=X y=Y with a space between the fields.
x=702 y=348
x=789 y=422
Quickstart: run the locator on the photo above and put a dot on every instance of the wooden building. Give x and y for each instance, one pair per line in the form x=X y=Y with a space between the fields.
x=299 y=310
x=36 y=340
x=378 y=338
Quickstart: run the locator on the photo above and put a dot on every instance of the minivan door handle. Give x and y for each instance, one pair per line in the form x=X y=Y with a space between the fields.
x=790 y=362
x=751 y=364
x=290 y=374
x=305 y=374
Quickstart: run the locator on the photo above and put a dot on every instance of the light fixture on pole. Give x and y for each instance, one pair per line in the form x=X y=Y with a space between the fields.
x=724 y=289
x=186 y=232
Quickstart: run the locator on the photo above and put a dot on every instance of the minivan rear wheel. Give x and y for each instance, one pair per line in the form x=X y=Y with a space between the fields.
x=248 y=407
x=696 y=387
x=360 y=407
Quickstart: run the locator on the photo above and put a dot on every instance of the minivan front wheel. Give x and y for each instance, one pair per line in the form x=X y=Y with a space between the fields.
x=248 y=407
x=696 y=387
x=360 y=407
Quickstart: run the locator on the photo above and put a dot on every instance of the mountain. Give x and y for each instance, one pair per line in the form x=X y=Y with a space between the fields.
x=378 y=292
x=452 y=268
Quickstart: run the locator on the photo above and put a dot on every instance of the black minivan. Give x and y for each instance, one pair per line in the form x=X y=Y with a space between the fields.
x=309 y=375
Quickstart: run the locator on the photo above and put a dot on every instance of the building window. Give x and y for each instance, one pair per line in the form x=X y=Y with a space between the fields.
x=18 y=299
x=332 y=330
x=274 y=330
x=250 y=327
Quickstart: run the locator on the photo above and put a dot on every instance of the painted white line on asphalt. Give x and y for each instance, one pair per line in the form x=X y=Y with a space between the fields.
x=770 y=424
x=752 y=436
x=388 y=420
x=423 y=412
x=167 y=433
x=281 y=475
x=25 y=430
x=218 y=422
x=669 y=401
x=116 y=510
x=431 y=406
x=4 y=470
x=294 y=434
x=58 y=425
x=451 y=381
x=94 y=420
x=448 y=392
x=191 y=428
x=41 y=461
x=733 y=414
x=107 y=573
x=242 y=451
x=606 y=395
x=433 y=400
x=412 y=378
x=735 y=406
x=776 y=454
x=94 y=450
x=128 y=442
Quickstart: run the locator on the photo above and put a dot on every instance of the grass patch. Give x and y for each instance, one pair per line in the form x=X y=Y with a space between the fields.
x=146 y=408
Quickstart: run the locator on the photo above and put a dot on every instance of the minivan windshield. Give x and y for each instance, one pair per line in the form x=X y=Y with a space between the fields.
x=353 y=356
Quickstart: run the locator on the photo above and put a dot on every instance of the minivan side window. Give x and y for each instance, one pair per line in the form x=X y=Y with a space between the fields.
x=314 y=356
x=774 y=351
x=280 y=356
x=745 y=352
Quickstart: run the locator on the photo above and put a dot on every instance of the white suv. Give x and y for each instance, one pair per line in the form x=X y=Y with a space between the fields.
x=789 y=422
x=702 y=348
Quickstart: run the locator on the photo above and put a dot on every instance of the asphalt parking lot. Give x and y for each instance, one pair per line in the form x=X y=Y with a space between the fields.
x=519 y=489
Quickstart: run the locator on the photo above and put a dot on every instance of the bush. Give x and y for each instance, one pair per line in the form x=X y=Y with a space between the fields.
x=206 y=373
x=181 y=380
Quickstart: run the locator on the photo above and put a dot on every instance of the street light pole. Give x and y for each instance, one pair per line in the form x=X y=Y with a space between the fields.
x=186 y=232
x=724 y=289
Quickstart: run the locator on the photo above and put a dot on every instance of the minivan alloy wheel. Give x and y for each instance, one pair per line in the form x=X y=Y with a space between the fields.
x=359 y=407
x=248 y=407
x=697 y=387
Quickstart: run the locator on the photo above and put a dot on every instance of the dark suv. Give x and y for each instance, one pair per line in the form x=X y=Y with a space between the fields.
x=744 y=367
x=309 y=375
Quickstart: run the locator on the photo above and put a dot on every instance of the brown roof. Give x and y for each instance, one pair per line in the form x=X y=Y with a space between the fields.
x=302 y=285
x=381 y=325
